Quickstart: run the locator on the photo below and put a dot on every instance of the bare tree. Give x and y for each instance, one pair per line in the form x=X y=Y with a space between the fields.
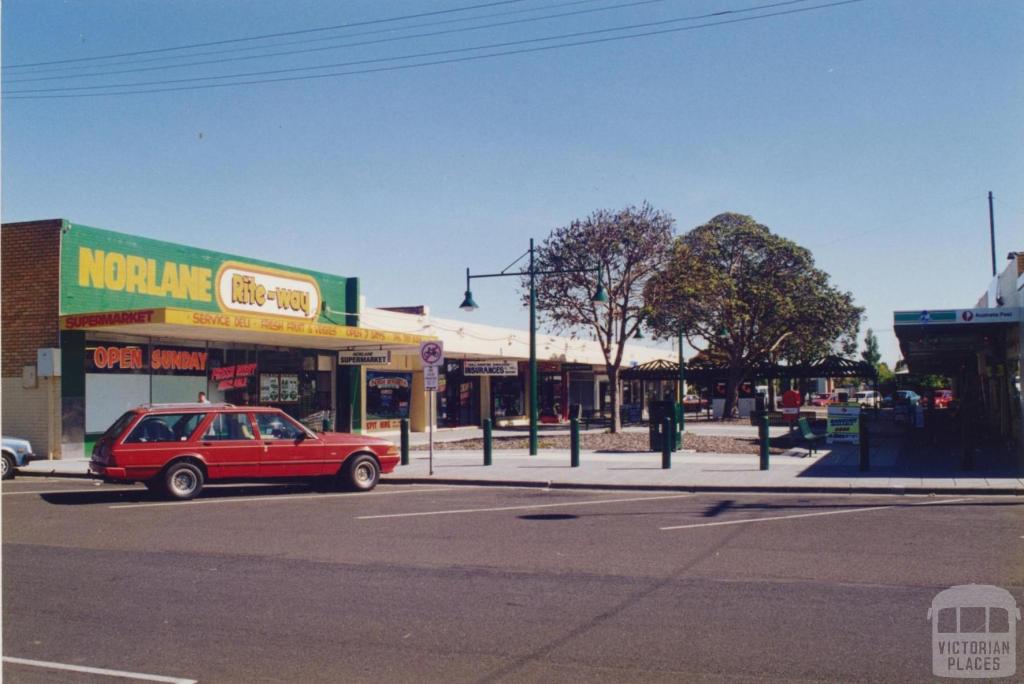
x=629 y=246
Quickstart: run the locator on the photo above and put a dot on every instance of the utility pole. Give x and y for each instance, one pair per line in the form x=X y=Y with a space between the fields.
x=992 y=231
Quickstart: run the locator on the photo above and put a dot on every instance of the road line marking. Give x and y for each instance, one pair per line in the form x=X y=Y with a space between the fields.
x=281 y=497
x=522 y=508
x=98 y=670
x=806 y=515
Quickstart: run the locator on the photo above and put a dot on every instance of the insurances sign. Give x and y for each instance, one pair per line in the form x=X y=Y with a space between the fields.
x=510 y=368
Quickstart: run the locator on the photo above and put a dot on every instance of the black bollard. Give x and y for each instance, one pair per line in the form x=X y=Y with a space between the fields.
x=405 y=440
x=488 y=442
x=666 y=443
x=574 y=443
x=763 y=429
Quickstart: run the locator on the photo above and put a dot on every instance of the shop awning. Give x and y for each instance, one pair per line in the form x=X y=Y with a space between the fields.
x=945 y=340
x=223 y=327
x=697 y=373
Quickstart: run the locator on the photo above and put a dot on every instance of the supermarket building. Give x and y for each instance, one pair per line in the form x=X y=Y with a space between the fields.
x=96 y=322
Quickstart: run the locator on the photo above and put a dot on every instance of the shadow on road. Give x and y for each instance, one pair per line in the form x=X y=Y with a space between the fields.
x=136 y=495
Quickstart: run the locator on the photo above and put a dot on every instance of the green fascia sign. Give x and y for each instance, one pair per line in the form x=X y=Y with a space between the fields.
x=102 y=270
x=924 y=317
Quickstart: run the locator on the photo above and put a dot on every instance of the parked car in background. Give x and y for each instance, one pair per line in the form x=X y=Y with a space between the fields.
x=692 y=402
x=941 y=398
x=821 y=399
x=868 y=398
x=905 y=397
x=175 y=448
x=843 y=395
x=16 y=453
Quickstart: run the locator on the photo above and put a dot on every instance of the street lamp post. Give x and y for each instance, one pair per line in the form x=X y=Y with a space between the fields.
x=682 y=380
x=469 y=304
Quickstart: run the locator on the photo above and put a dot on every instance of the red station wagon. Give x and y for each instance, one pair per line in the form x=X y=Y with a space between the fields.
x=175 y=448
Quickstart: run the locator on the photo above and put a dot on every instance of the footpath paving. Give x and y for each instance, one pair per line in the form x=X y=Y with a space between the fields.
x=834 y=469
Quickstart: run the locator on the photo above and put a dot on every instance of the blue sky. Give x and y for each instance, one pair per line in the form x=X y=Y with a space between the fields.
x=869 y=133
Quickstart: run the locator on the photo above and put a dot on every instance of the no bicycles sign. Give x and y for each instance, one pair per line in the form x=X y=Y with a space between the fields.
x=432 y=353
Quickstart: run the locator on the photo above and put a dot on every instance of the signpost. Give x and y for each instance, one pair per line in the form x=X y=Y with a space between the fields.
x=432 y=356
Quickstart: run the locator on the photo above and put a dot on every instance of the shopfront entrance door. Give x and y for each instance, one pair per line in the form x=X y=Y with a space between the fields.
x=461 y=404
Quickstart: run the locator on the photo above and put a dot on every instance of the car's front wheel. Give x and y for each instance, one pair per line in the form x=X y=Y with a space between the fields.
x=8 y=468
x=182 y=481
x=360 y=473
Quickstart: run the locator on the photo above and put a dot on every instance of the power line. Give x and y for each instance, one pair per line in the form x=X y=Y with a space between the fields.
x=371 y=42
x=26 y=94
x=269 y=35
x=313 y=40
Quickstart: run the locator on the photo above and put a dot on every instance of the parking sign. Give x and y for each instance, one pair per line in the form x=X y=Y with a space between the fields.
x=430 y=379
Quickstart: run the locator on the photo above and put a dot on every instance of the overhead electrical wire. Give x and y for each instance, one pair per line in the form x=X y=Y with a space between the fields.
x=392 y=39
x=41 y=93
x=306 y=41
x=268 y=35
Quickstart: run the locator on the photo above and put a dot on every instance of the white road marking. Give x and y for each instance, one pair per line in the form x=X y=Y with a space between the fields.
x=268 y=498
x=522 y=508
x=806 y=515
x=98 y=670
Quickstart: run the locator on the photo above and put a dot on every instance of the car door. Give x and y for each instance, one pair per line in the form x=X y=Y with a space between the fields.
x=230 y=447
x=289 y=450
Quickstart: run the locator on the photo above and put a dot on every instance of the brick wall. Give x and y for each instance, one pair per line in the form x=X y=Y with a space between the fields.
x=29 y=281
x=29 y=413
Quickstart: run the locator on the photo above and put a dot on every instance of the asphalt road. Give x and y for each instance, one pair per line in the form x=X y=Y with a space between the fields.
x=467 y=584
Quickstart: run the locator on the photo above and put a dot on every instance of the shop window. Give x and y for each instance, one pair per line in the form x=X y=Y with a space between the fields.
x=388 y=395
x=549 y=393
x=507 y=397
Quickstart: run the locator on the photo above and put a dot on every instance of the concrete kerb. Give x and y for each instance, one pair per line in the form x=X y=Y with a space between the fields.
x=78 y=469
x=696 y=489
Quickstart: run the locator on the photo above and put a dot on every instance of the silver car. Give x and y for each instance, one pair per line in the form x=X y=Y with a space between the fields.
x=16 y=453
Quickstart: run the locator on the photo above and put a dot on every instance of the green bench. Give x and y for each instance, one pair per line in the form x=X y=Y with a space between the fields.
x=810 y=438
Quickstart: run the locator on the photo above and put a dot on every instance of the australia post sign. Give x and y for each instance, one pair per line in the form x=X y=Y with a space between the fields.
x=106 y=271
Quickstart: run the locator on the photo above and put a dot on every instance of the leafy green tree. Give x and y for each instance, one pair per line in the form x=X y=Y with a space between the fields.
x=748 y=296
x=630 y=246
x=871 y=354
x=885 y=374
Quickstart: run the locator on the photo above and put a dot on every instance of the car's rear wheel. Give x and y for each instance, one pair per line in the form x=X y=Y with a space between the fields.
x=8 y=468
x=182 y=481
x=360 y=473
